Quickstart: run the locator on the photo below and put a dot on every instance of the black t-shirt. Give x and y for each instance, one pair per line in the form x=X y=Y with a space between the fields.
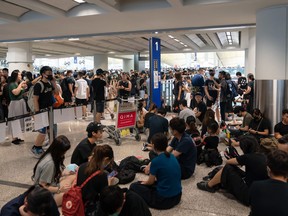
x=158 y=124
x=67 y=81
x=259 y=126
x=251 y=93
x=45 y=96
x=269 y=197
x=281 y=128
x=211 y=88
x=146 y=119
x=122 y=92
x=91 y=191
x=177 y=85
x=255 y=167
x=242 y=81
x=211 y=142
x=98 y=86
x=201 y=108
x=82 y=151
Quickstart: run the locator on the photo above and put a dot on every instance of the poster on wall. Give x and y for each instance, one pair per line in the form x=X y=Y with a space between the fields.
x=156 y=80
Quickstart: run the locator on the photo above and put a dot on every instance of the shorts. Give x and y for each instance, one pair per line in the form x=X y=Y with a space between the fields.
x=83 y=102
x=100 y=107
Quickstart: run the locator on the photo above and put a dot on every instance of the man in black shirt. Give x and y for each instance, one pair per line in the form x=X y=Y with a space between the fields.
x=122 y=202
x=210 y=89
x=43 y=98
x=269 y=197
x=98 y=85
x=199 y=107
x=84 y=149
x=67 y=86
x=124 y=87
x=259 y=126
x=281 y=128
x=242 y=83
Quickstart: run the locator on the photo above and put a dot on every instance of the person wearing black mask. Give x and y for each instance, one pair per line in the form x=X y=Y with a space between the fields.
x=259 y=126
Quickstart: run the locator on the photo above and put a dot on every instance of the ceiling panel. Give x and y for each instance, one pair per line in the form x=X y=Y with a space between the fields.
x=12 y=9
x=62 y=4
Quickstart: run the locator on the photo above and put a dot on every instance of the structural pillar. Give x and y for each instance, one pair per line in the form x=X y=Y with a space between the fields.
x=100 y=61
x=128 y=64
x=19 y=57
x=250 y=53
x=271 y=87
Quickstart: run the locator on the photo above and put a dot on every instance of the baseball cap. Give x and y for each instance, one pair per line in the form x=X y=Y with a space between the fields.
x=94 y=127
x=198 y=93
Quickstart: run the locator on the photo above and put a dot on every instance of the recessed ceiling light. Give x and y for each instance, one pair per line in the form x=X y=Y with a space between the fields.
x=176 y=39
x=185 y=45
x=111 y=52
x=73 y=39
x=170 y=36
x=77 y=54
x=182 y=43
x=47 y=55
x=228 y=33
x=156 y=32
x=79 y=1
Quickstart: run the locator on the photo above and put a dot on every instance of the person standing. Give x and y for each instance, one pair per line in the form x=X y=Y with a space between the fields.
x=82 y=93
x=124 y=87
x=98 y=85
x=17 y=104
x=223 y=99
x=67 y=86
x=249 y=93
x=43 y=98
x=211 y=90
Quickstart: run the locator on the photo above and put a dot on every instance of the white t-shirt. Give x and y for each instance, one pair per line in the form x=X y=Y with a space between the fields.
x=82 y=86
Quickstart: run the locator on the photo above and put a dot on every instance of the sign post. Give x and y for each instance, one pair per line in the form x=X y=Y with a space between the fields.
x=155 y=70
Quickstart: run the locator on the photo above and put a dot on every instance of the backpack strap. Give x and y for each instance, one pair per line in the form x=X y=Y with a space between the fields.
x=89 y=178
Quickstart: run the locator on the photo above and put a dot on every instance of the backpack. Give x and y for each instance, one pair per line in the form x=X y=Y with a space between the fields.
x=72 y=203
x=231 y=90
x=211 y=157
x=30 y=95
x=230 y=152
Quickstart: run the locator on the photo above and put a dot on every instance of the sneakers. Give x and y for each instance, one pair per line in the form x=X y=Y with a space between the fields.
x=145 y=147
x=37 y=152
x=203 y=185
x=17 y=141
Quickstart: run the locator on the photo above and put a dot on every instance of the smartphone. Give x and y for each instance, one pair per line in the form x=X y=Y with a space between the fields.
x=112 y=174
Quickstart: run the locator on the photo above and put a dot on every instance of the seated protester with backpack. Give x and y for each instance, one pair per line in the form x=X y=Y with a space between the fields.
x=102 y=156
x=210 y=154
x=84 y=149
x=281 y=128
x=35 y=201
x=49 y=170
x=247 y=118
x=117 y=201
x=163 y=188
x=183 y=148
x=234 y=179
x=259 y=126
x=269 y=197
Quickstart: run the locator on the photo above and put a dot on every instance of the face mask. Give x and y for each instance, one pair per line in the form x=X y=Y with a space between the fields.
x=50 y=77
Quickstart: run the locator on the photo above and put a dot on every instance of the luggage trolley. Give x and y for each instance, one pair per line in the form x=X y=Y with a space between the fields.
x=126 y=120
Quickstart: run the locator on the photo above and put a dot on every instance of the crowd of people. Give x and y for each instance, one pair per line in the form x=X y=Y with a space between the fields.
x=175 y=147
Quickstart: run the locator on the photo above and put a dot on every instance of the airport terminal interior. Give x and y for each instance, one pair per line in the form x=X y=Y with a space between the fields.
x=122 y=37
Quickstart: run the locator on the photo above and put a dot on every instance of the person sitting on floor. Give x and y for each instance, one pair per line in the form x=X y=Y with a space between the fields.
x=235 y=180
x=281 y=128
x=210 y=155
x=269 y=197
x=84 y=149
x=101 y=158
x=123 y=202
x=167 y=192
x=199 y=107
x=183 y=148
x=49 y=170
x=283 y=143
x=192 y=130
x=35 y=201
x=185 y=111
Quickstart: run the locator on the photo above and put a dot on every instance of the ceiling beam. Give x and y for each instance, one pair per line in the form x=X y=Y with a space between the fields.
x=40 y=7
x=175 y=3
x=105 y=5
x=8 y=17
x=214 y=38
x=169 y=46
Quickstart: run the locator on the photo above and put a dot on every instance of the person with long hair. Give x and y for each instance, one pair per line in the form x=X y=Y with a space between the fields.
x=35 y=201
x=208 y=117
x=17 y=104
x=235 y=180
x=48 y=171
x=101 y=158
x=166 y=170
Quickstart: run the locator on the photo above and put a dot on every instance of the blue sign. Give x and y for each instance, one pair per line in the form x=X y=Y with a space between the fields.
x=155 y=70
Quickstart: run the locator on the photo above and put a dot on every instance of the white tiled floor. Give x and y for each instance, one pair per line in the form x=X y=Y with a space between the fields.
x=17 y=164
